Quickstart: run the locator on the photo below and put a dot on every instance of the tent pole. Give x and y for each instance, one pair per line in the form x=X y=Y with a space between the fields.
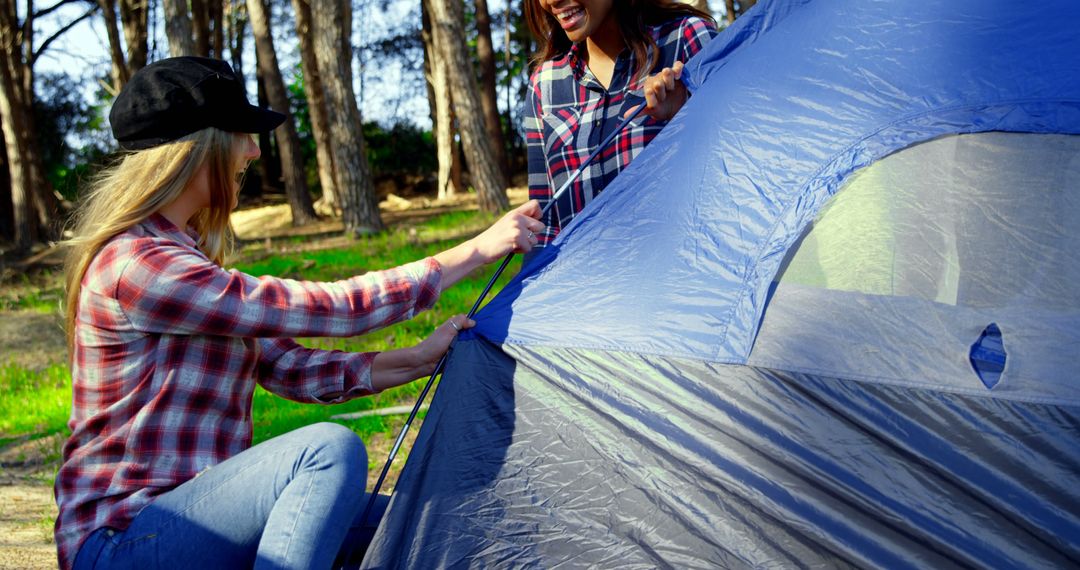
x=480 y=299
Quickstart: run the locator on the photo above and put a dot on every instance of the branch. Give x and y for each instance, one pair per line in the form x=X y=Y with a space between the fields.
x=60 y=32
x=57 y=6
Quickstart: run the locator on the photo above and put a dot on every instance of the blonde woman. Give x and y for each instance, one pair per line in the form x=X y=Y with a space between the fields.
x=167 y=346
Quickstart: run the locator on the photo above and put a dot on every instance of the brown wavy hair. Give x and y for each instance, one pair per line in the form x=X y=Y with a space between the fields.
x=633 y=16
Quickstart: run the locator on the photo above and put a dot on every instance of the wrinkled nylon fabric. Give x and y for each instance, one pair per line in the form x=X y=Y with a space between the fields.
x=564 y=458
x=698 y=226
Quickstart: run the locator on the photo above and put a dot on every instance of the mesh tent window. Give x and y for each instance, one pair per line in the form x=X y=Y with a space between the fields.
x=927 y=258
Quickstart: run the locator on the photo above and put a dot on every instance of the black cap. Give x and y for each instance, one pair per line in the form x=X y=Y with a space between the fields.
x=178 y=96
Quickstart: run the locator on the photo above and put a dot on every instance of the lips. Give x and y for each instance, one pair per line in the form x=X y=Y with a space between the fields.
x=570 y=18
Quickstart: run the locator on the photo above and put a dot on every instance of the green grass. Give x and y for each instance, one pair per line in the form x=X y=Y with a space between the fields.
x=38 y=402
x=34 y=402
x=40 y=293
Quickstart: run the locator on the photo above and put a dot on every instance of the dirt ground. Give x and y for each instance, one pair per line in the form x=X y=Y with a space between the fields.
x=33 y=339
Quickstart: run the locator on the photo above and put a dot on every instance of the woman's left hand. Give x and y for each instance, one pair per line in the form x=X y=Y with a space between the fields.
x=664 y=93
x=403 y=365
x=431 y=349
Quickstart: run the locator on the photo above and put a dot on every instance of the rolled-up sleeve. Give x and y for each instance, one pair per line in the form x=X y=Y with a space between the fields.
x=312 y=375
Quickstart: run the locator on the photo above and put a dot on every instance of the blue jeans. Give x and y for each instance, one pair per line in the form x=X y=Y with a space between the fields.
x=290 y=502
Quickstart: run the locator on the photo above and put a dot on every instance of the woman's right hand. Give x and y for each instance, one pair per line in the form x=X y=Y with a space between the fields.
x=515 y=232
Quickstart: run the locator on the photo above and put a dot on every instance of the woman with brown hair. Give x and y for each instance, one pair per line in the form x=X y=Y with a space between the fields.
x=593 y=68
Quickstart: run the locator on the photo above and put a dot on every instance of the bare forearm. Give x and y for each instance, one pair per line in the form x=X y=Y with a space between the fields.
x=397 y=367
x=459 y=261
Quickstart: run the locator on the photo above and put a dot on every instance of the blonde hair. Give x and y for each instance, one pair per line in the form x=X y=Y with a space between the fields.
x=141 y=183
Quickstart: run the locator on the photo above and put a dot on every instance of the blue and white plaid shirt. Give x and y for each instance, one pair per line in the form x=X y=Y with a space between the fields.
x=569 y=113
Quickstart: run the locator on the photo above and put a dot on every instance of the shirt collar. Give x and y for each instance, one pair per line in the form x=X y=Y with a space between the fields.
x=624 y=65
x=160 y=226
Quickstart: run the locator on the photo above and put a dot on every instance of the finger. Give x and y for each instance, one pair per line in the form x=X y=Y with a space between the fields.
x=677 y=69
x=650 y=98
x=669 y=79
x=531 y=209
x=631 y=111
x=458 y=323
x=452 y=322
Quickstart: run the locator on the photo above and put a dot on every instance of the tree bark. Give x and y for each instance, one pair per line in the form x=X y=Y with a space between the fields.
x=268 y=173
x=292 y=161
x=46 y=203
x=177 y=28
x=485 y=52
x=236 y=17
x=24 y=221
x=314 y=91
x=449 y=170
x=134 y=16
x=200 y=26
x=359 y=207
x=11 y=120
x=447 y=20
x=119 y=64
x=7 y=220
x=217 y=18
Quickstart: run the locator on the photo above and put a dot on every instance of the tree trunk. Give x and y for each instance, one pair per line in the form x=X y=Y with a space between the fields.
x=485 y=52
x=269 y=174
x=46 y=203
x=217 y=18
x=359 y=207
x=178 y=28
x=7 y=221
x=11 y=120
x=447 y=20
x=119 y=65
x=24 y=221
x=292 y=161
x=200 y=26
x=134 y=15
x=729 y=9
x=236 y=16
x=313 y=89
x=449 y=178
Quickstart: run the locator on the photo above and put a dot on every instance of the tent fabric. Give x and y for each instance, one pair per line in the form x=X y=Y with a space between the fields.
x=775 y=127
x=660 y=389
x=539 y=457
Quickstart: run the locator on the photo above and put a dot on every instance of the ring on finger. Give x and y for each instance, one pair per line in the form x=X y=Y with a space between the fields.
x=455 y=325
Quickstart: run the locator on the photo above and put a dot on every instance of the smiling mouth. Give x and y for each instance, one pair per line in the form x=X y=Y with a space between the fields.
x=569 y=17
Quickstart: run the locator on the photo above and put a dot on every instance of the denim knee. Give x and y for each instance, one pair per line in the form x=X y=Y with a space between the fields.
x=337 y=444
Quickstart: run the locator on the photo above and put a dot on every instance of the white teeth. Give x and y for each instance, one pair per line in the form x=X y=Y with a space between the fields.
x=568 y=14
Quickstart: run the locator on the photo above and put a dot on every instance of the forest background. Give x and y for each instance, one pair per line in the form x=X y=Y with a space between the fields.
x=402 y=138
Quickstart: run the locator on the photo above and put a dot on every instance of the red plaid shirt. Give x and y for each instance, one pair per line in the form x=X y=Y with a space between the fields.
x=168 y=348
x=569 y=113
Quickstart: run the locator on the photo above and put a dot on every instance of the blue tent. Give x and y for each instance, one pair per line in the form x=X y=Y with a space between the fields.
x=829 y=317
